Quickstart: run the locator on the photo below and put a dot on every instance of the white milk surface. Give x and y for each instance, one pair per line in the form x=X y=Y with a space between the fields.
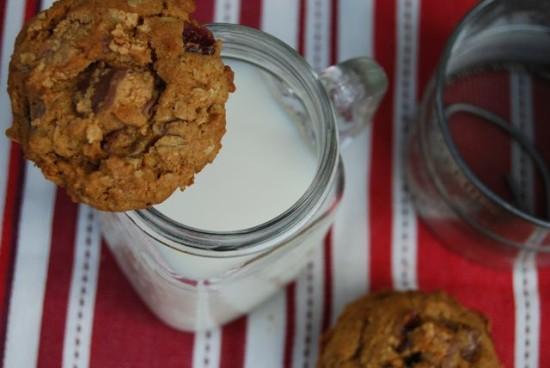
x=263 y=168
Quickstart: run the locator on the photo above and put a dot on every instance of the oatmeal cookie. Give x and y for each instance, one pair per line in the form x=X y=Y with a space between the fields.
x=409 y=329
x=121 y=102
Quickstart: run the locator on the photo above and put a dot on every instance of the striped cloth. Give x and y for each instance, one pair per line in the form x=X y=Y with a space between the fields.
x=64 y=302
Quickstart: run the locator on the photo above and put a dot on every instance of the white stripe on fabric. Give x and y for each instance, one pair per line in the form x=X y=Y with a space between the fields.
x=309 y=308
x=265 y=334
x=266 y=325
x=34 y=240
x=281 y=19
x=350 y=253
x=227 y=11
x=31 y=267
x=309 y=287
x=14 y=10
x=351 y=229
x=526 y=291
x=526 y=296
x=80 y=313
x=47 y=3
x=206 y=353
x=404 y=231
x=356 y=28
x=318 y=33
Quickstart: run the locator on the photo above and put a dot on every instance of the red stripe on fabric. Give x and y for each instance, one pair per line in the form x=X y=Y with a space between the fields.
x=542 y=117
x=541 y=108
x=32 y=7
x=328 y=282
x=477 y=287
x=10 y=226
x=481 y=288
x=290 y=324
x=251 y=13
x=544 y=294
x=59 y=281
x=233 y=344
x=126 y=333
x=541 y=112
x=205 y=11
x=498 y=303
x=3 y=5
x=380 y=194
x=302 y=27
x=437 y=22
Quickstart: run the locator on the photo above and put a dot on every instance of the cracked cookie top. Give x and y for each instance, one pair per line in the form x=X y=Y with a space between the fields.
x=408 y=330
x=121 y=102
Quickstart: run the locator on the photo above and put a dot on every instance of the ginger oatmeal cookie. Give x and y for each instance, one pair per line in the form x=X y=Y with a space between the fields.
x=408 y=330
x=121 y=102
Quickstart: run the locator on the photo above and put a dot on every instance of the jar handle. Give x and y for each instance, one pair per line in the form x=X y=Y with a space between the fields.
x=356 y=88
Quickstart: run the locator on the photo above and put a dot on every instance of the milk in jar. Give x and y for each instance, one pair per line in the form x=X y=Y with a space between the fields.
x=263 y=168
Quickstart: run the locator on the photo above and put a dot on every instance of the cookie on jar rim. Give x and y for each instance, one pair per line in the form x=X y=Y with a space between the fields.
x=406 y=330
x=121 y=102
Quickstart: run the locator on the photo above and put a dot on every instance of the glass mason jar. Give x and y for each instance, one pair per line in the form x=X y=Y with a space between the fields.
x=195 y=279
x=499 y=43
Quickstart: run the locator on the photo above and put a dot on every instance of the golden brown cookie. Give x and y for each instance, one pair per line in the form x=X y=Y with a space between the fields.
x=119 y=101
x=408 y=330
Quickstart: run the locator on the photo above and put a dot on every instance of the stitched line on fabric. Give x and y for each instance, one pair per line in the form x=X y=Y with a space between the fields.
x=309 y=314
x=406 y=111
x=528 y=319
x=524 y=190
x=207 y=348
x=227 y=11
x=317 y=61
x=317 y=35
x=84 y=283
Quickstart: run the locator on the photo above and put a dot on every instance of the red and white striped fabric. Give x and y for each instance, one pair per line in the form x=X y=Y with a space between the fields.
x=64 y=303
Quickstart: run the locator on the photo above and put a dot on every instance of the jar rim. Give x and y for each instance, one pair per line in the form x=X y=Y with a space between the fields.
x=482 y=8
x=241 y=43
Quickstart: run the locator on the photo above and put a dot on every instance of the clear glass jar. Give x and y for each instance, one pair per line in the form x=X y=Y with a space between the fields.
x=507 y=37
x=195 y=279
